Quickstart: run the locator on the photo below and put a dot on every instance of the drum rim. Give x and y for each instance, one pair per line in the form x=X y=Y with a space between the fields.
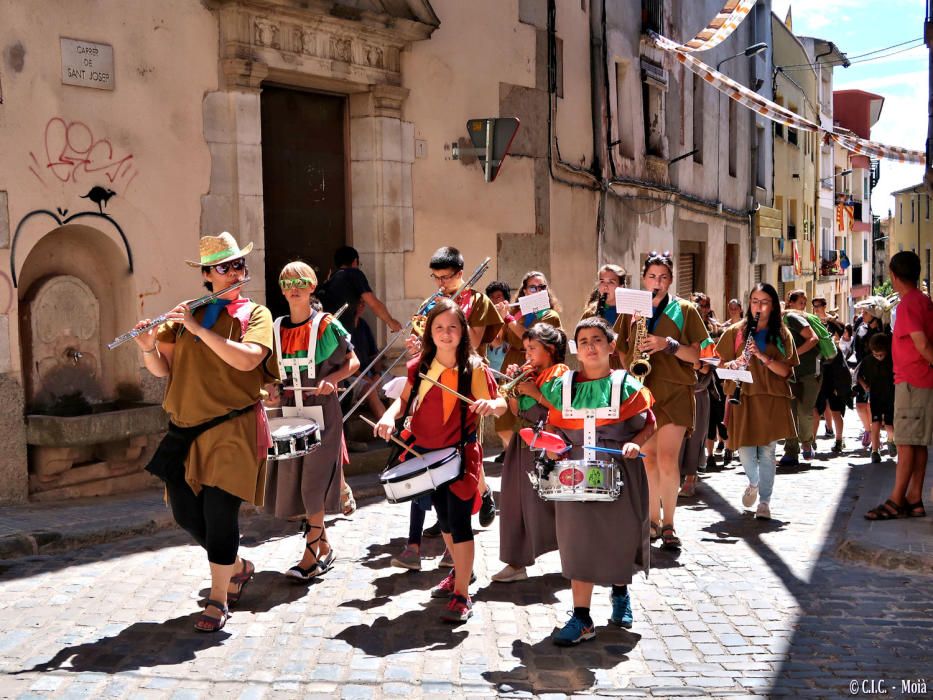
x=391 y=480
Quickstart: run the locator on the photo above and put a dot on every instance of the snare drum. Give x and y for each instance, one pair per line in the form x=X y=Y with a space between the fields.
x=293 y=437
x=417 y=476
x=581 y=480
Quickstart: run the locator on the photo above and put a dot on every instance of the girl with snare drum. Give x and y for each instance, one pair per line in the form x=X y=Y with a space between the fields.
x=526 y=522
x=605 y=542
x=310 y=484
x=439 y=419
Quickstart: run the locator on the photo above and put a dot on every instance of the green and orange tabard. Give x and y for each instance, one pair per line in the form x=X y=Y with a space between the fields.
x=595 y=394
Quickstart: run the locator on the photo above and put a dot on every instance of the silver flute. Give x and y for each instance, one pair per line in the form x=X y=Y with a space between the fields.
x=154 y=323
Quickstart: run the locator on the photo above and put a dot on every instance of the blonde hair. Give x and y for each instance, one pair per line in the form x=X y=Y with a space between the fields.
x=298 y=268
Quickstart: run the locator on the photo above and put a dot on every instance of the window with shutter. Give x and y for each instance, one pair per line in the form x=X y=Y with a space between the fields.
x=685 y=274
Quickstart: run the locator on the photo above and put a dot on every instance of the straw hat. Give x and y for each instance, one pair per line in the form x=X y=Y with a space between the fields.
x=214 y=250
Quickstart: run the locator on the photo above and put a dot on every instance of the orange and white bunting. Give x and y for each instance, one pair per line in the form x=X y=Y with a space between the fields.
x=721 y=26
x=878 y=150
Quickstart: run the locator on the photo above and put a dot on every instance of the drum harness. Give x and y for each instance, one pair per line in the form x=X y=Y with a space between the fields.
x=591 y=415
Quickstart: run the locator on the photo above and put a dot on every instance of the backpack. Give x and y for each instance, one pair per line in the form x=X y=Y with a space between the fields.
x=826 y=345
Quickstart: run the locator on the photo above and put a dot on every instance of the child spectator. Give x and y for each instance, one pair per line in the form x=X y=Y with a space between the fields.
x=876 y=377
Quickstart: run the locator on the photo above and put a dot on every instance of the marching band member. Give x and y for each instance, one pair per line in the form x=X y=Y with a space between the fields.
x=439 y=420
x=672 y=342
x=499 y=292
x=602 y=301
x=213 y=458
x=763 y=416
x=517 y=324
x=602 y=543
x=310 y=484
x=526 y=522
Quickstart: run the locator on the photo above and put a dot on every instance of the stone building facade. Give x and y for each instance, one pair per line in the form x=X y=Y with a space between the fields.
x=302 y=125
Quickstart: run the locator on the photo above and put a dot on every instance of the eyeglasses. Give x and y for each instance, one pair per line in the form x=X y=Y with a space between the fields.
x=536 y=287
x=443 y=279
x=296 y=283
x=818 y=305
x=224 y=267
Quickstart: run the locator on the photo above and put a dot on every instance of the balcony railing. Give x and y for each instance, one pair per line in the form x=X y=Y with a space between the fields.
x=652 y=16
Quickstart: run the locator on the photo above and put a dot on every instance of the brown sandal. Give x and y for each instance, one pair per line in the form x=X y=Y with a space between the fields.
x=206 y=623
x=654 y=531
x=669 y=540
x=241 y=579
x=889 y=510
x=915 y=510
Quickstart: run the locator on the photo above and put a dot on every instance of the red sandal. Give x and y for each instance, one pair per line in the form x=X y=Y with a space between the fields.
x=241 y=579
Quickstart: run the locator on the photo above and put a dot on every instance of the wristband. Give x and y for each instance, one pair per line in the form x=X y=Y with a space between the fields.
x=510 y=319
x=672 y=346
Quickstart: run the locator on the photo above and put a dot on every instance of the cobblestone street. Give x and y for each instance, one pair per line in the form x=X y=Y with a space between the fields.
x=749 y=608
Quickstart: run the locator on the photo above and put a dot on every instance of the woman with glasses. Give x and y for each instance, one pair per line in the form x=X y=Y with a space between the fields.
x=309 y=485
x=213 y=458
x=673 y=335
x=602 y=301
x=763 y=415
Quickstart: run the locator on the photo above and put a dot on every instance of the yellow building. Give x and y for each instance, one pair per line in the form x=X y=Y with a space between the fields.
x=911 y=227
x=795 y=166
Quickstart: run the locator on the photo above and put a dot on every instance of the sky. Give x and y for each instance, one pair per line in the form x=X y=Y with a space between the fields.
x=861 y=26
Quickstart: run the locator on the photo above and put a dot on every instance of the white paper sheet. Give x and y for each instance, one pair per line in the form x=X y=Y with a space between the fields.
x=633 y=301
x=394 y=387
x=539 y=301
x=741 y=375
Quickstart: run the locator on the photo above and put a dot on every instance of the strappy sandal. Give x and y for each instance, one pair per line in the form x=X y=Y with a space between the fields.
x=915 y=510
x=206 y=623
x=669 y=540
x=319 y=566
x=889 y=510
x=654 y=531
x=347 y=502
x=240 y=580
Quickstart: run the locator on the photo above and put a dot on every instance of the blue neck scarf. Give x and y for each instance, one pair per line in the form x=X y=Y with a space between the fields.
x=212 y=312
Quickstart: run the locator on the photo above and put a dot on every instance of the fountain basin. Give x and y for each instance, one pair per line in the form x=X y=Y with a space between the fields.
x=102 y=426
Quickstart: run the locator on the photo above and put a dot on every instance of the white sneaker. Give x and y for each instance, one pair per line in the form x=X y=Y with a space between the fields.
x=763 y=512
x=750 y=496
x=510 y=574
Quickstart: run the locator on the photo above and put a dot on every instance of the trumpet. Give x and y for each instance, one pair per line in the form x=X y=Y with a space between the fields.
x=156 y=322
x=746 y=358
x=509 y=389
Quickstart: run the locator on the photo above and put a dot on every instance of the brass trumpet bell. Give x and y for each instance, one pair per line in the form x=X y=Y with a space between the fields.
x=509 y=389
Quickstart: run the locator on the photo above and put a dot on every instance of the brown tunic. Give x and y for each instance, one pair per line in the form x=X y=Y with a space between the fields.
x=202 y=386
x=671 y=380
x=526 y=521
x=764 y=413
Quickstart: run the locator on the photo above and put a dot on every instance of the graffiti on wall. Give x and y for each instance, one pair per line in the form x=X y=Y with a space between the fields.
x=71 y=151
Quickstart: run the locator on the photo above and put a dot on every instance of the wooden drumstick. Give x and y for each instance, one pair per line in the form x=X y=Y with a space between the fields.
x=460 y=396
x=394 y=439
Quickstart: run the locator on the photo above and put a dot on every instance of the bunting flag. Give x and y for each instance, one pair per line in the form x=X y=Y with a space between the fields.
x=721 y=26
x=878 y=150
x=776 y=113
x=738 y=92
x=798 y=266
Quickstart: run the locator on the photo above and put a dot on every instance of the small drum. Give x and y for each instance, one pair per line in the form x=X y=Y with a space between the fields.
x=417 y=476
x=293 y=437
x=581 y=480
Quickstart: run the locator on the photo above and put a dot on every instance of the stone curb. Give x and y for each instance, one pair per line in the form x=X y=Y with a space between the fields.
x=875 y=555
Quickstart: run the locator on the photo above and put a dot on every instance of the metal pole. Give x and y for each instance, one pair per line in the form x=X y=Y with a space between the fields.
x=487 y=166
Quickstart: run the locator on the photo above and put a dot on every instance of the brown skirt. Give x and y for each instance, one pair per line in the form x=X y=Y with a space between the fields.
x=526 y=521
x=673 y=403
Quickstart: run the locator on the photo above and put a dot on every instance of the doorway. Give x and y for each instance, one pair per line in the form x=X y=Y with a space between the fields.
x=304 y=182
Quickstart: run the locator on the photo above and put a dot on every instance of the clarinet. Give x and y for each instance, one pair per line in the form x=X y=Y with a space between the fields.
x=601 y=304
x=746 y=357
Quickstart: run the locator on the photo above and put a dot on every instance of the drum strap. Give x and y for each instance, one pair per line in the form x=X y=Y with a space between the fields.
x=591 y=415
x=296 y=364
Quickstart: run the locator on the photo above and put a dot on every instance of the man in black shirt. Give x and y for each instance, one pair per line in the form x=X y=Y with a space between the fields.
x=348 y=285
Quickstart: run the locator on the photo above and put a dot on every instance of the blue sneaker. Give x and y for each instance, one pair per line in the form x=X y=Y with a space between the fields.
x=807 y=453
x=788 y=460
x=622 y=611
x=574 y=632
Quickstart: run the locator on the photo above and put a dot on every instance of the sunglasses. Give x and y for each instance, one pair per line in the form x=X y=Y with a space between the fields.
x=296 y=283
x=536 y=287
x=224 y=268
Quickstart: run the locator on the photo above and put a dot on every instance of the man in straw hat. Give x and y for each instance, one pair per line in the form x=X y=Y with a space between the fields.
x=216 y=358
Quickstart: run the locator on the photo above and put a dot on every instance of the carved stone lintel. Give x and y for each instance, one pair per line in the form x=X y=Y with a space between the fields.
x=266 y=33
x=388 y=99
x=240 y=73
x=341 y=49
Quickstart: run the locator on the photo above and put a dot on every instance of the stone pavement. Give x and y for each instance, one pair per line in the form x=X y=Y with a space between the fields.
x=748 y=609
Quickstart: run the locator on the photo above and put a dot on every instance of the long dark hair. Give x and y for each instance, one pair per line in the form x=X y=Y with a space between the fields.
x=774 y=318
x=592 y=303
x=553 y=339
x=555 y=302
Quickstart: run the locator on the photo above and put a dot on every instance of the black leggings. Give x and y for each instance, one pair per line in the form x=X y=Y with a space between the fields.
x=453 y=514
x=211 y=518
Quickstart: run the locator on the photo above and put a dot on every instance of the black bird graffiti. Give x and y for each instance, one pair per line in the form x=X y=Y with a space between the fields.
x=100 y=196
